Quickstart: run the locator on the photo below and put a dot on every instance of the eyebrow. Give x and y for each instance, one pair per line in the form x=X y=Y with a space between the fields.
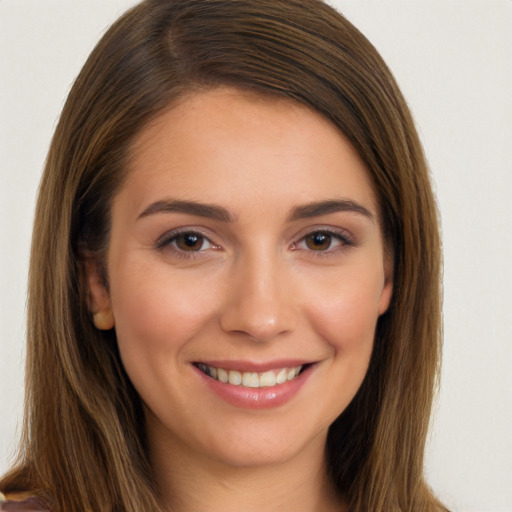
x=330 y=206
x=221 y=214
x=210 y=211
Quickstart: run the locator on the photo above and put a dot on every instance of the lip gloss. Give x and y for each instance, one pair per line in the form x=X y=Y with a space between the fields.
x=256 y=398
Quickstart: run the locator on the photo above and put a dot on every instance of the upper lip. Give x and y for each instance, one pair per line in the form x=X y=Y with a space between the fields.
x=252 y=366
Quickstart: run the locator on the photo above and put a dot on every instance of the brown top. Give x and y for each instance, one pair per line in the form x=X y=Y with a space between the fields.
x=29 y=504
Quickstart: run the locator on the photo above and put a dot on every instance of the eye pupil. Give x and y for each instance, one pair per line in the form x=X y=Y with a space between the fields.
x=189 y=242
x=318 y=241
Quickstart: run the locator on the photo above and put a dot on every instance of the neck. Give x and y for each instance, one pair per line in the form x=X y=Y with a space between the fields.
x=188 y=483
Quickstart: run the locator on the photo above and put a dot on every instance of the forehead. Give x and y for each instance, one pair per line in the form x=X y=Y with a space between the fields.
x=217 y=145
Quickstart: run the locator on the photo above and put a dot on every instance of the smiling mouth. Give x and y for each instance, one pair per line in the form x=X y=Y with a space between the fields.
x=265 y=379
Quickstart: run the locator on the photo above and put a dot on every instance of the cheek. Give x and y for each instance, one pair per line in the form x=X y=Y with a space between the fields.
x=157 y=312
x=344 y=311
x=156 y=315
x=345 y=315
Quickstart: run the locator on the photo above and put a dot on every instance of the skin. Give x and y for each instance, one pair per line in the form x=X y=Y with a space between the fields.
x=257 y=287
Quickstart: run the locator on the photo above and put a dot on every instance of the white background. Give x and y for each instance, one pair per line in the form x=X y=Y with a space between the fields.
x=453 y=60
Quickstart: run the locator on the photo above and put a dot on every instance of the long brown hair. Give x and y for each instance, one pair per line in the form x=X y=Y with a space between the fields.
x=83 y=446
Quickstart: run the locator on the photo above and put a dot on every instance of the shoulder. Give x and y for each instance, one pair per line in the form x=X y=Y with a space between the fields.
x=21 y=503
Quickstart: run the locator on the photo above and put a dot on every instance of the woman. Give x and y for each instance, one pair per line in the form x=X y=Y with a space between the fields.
x=234 y=287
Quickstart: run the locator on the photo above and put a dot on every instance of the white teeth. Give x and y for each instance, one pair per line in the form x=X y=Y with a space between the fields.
x=291 y=374
x=267 y=379
x=281 y=376
x=235 y=378
x=222 y=375
x=251 y=379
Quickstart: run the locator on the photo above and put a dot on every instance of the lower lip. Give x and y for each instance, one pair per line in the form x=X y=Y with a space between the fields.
x=257 y=398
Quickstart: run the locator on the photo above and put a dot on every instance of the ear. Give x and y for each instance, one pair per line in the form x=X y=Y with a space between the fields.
x=98 y=297
x=387 y=288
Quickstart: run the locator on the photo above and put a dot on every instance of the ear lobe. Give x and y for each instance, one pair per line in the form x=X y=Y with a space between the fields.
x=104 y=320
x=98 y=297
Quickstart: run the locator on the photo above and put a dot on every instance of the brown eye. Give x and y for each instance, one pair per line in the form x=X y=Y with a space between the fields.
x=189 y=242
x=318 y=241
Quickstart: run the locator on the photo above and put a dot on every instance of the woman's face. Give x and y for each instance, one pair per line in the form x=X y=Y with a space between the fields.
x=245 y=247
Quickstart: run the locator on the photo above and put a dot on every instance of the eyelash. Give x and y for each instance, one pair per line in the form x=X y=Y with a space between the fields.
x=334 y=235
x=170 y=239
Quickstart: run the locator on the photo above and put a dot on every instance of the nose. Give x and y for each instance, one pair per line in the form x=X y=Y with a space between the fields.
x=259 y=300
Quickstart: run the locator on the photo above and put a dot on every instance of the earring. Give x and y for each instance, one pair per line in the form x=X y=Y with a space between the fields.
x=103 y=320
